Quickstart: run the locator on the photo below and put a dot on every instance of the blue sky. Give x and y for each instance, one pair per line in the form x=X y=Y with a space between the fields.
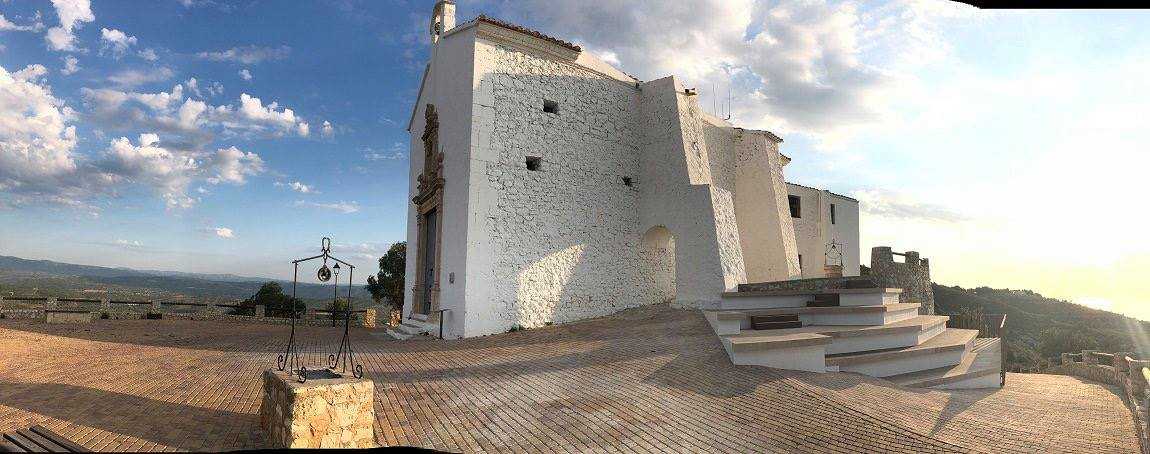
x=1007 y=146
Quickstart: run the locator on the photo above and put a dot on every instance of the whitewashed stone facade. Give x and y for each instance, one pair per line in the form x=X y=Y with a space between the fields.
x=816 y=227
x=572 y=190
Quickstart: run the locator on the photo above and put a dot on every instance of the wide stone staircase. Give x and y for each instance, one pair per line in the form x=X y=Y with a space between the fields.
x=863 y=330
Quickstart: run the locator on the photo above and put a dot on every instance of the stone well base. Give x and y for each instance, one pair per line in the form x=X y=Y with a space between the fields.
x=320 y=413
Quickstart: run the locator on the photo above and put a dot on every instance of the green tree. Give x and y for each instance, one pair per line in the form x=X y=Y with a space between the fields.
x=387 y=284
x=276 y=304
x=1055 y=341
x=338 y=309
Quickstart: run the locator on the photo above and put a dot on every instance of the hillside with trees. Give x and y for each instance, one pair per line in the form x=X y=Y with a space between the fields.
x=1039 y=329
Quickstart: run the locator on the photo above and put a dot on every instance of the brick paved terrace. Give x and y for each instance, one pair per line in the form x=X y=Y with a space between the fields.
x=653 y=379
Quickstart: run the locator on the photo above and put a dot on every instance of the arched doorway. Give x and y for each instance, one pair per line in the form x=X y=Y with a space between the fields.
x=657 y=254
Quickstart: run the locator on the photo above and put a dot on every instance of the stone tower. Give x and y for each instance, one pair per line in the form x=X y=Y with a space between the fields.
x=913 y=276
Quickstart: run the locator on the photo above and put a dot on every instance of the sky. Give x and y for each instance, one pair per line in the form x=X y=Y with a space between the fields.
x=229 y=137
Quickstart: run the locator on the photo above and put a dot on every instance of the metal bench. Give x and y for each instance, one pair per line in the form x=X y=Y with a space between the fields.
x=38 y=439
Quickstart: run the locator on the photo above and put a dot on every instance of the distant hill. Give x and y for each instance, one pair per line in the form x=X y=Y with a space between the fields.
x=47 y=278
x=1039 y=329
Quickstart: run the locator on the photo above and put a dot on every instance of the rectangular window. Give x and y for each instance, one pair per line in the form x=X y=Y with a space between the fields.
x=832 y=214
x=796 y=206
x=550 y=106
x=800 y=264
x=534 y=163
x=627 y=181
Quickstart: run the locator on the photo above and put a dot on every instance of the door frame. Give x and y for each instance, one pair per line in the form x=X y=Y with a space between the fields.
x=429 y=198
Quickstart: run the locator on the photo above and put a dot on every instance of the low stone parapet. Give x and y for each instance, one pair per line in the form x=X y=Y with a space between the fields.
x=319 y=413
x=67 y=316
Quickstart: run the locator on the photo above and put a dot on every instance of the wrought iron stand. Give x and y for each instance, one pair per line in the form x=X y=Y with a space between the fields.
x=290 y=359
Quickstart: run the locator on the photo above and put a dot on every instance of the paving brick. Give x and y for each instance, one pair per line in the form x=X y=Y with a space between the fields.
x=652 y=380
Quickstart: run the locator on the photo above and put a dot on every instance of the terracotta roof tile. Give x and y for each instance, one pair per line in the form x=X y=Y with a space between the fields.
x=521 y=29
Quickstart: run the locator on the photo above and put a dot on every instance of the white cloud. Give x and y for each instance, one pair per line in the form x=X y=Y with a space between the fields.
x=72 y=14
x=792 y=66
x=116 y=42
x=212 y=89
x=882 y=203
x=343 y=207
x=39 y=165
x=395 y=153
x=327 y=130
x=194 y=122
x=36 y=141
x=170 y=171
x=148 y=54
x=71 y=65
x=223 y=232
x=148 y=163
x=7 y=25
x=245 y=74
x=131 y=245
x=270 y=116
x=132 y=77
x=298 y=187
x=232 y=165
x=247 y=55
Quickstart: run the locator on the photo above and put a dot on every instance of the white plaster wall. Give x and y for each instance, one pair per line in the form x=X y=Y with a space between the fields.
x=448 y=87
x=846 y=231
x=677 y=193
x=814 y=230
x=809 y=230
x=766 y=232
x=559 y=244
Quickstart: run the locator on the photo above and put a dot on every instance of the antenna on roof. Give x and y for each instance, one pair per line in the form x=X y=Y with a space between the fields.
x=714 y=106
x=728 y=102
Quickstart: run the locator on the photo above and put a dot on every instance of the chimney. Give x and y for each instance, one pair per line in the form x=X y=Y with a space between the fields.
x=442 y=19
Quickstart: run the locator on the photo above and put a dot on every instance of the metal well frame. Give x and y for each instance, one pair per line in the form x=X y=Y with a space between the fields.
x=345 y=356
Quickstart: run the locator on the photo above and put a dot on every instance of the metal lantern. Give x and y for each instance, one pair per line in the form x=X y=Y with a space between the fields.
x=290 y=359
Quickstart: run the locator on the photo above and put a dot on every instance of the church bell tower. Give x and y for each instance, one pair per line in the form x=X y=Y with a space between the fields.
x=442 y=19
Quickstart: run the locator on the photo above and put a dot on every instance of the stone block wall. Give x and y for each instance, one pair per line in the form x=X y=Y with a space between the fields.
x=912 y=276
x=319 y=413
x=563 y=239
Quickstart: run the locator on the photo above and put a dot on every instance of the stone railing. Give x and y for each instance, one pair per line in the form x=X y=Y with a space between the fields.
x=1119 y=369
x=133 y=310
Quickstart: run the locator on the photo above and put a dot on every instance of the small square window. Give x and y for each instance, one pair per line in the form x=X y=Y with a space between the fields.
x=796 y=206
x=550 y=106
x=534 y=163
x=627 y=181
x=832 y=214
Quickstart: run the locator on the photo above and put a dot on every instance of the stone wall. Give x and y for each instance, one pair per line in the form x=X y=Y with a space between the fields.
x=1117 y=369
x=812 y=284
x=319 y=413
x=67 y=316
x=814 y=230
x=562 y=240
x=913 y=276
x=206 y=313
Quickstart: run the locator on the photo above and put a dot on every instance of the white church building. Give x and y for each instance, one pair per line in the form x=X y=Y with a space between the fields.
x=548 y=186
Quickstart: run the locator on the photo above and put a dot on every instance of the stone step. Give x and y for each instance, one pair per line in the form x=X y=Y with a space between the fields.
x=411 y=328
x=979 y=368
x=942 y=350
x=758 y=325
x=398 y=335
x=800 y=298
x=800 y=351
x=854 y=338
